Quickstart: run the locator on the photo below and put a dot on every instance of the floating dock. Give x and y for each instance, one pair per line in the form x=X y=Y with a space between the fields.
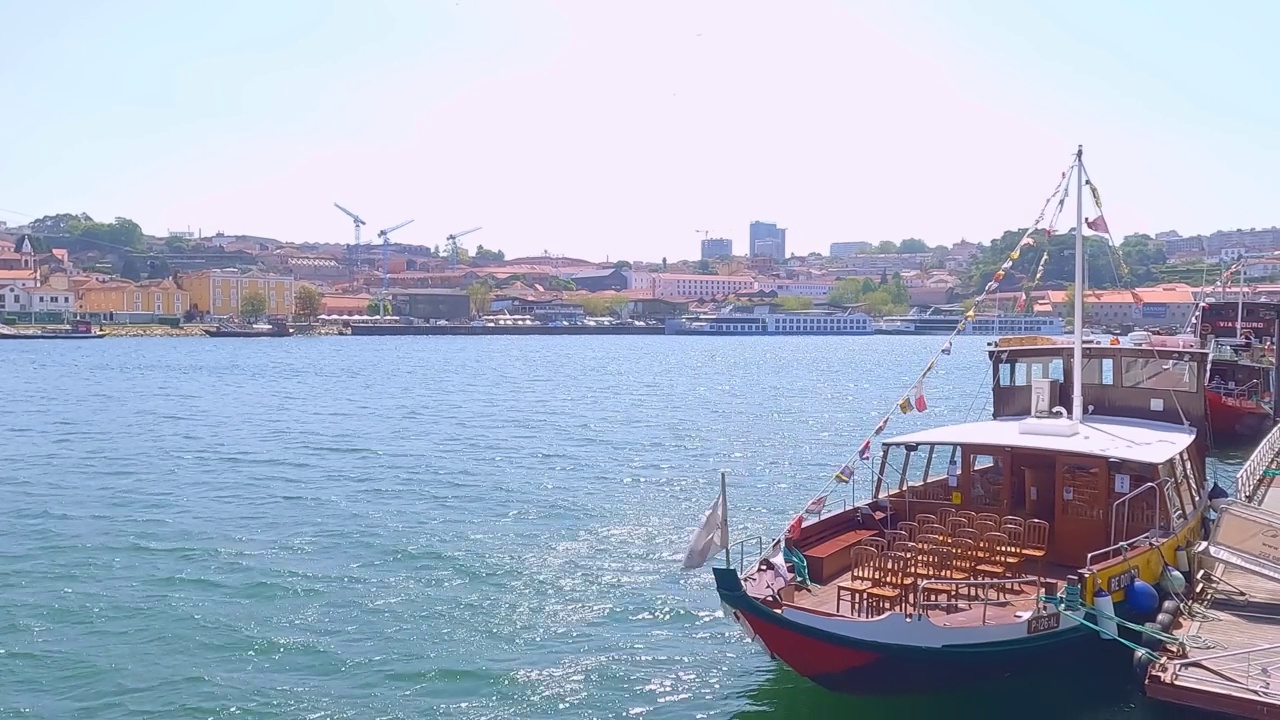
x=1233 y=667
x=372 y=329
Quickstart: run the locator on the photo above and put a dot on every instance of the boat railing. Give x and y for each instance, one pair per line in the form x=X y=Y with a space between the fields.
x=1150 y=537
x=922 y=606
x=829 y=508
x=1254 y=470
x=1254 y=668
x=741 y=547
x=1156 y=488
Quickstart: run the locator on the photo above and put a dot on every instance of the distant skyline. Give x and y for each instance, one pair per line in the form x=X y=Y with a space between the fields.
x=596 y=129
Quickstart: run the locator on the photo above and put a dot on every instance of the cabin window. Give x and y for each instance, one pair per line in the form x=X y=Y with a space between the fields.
x=1099 y=371
x=1020 y=373
x=1160 y=374
x=928 y=471
x=987 y=478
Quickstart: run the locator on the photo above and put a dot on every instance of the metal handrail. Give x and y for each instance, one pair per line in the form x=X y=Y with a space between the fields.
x=1219 y=656
x=1132 y=494
x=1251 y=474
x=1088 y=559
x=742 y=550
x=844 y=505
x=984 y=584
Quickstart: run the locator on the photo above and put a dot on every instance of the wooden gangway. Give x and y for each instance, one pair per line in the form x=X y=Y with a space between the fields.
x=1229 y=661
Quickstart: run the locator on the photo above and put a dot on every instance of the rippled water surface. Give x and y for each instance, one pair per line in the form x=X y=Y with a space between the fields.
x=430 y=527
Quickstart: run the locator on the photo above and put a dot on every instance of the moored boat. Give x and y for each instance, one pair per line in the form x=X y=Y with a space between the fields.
x=1241 y=377
x=998 y=546
x=272 y=328
x=78 y=330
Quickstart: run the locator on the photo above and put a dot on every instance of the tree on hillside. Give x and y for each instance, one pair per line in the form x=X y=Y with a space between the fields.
x=868 y=286
x=602 y=305
x=846 y=292
x=158 y=269
x=886 y=247
x=704 y=267
x=562 y=284
x=913 y=245
x=622 y=265
x=1059 y=266
x=308 y=302
x=378 y=308
x=484 y=253
x=792 y=303
x=1143 y=257
x=481 y=294
x=130 y=269
x=253 y=304
x=664 y=264
x=59 y=224
x=121 y=233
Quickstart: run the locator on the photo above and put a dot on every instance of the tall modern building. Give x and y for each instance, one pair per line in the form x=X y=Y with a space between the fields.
x=777 y=248
x=713 y=248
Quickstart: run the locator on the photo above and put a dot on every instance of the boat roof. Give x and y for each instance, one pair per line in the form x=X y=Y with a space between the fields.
x=1139 y=441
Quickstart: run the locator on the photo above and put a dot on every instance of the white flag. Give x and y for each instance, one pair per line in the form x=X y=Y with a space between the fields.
x=709 y=538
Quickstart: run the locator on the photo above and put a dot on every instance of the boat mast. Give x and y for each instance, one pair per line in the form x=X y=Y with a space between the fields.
x=1240 y=302
x=1077 y=356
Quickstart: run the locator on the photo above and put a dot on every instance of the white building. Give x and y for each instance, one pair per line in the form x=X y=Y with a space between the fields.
x=847 y=249
x=36 y=299
x=671 y=285
x=796 y=288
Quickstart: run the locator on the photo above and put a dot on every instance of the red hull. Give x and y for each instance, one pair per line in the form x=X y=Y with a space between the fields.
x=1230 y=418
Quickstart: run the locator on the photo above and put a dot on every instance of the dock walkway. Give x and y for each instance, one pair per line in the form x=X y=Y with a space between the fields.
x=1236 y=668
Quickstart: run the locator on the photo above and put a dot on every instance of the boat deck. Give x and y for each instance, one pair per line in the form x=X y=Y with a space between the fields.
x=984 y=607
x=1240 y=673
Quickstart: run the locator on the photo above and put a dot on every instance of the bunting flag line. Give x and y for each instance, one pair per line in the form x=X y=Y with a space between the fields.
x=914 y=399
x=1098 y=224
x=816 y=505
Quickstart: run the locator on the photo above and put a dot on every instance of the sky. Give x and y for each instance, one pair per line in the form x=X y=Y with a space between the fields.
x=620 y=130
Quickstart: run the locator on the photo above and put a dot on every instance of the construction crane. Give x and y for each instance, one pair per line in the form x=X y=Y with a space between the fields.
x=353 y=252
x=451 y=242
x=385 y=235
x=705 y=233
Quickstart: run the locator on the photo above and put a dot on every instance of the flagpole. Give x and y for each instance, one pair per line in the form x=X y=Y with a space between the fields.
x=724 y=518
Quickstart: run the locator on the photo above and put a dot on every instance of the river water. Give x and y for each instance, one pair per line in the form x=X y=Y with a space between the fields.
x=433 y=527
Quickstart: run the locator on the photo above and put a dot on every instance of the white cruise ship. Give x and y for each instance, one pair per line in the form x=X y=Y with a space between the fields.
x=805 y=322
x=943 y=320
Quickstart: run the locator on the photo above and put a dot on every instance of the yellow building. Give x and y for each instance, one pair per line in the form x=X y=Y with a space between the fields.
x=220 y=292
x=159 y=297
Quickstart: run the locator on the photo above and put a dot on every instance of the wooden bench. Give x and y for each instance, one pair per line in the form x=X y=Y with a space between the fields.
x=829 y=559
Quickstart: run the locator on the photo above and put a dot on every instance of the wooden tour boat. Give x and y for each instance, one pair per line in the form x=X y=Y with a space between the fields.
x=276 y=327
x=994 y=547
x=78 y=330
x=1241 y=377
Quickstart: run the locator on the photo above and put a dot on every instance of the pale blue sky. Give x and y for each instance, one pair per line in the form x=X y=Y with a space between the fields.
x=597 y=128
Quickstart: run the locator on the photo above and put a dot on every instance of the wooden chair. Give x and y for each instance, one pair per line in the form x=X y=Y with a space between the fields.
x=878 y=544
x=966 y=562
x=984 y=526
x=955 y=524
x=1012 y=521
x=969 y=516
x=925 y=541
x=910 y=528
x=945 y=514
x=991 y=557
x=992 y=518
x=885 y=594
x=907 y=548
x=895 y=536
x=1035 y=543
x=861 y=564
x=926 y=519
x=934 y=530
x=968 y=534
x=940 y=564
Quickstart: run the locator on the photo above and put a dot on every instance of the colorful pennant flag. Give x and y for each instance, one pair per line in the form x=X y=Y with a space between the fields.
x=921 y=405
x=816 y=505
x=864 y=451
x=946 y=348
x=884 y=423
x=1098 y=224
x=904 y=404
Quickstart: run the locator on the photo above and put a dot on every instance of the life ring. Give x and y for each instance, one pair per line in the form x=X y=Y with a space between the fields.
x=1205 y=329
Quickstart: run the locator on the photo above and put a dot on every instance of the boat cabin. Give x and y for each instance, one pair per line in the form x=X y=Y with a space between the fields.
x=1023 y=500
